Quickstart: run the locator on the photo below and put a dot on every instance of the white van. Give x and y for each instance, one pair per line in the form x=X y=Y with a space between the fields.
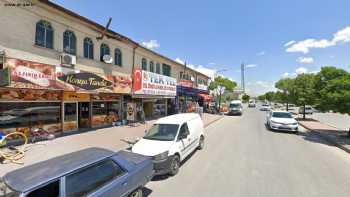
x=170 y=140
x=236 y=107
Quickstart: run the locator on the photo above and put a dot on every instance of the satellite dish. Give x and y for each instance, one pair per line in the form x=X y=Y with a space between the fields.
x=107 y=59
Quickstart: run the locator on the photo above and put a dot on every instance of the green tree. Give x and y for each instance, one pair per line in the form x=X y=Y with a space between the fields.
x=222 y=84
x=286 y=86
x=245 y=98
x=305 y=93
x=333 y=90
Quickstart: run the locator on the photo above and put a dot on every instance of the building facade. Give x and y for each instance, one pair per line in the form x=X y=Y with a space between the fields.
x=62 y=72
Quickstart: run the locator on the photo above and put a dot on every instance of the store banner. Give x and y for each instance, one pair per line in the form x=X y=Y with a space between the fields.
x=149 y=83
x=186 y=83
x=202 y=87
x=5 y=77
x=29 y=95
x=77 y=80
x=32 y=75
x=73 y=96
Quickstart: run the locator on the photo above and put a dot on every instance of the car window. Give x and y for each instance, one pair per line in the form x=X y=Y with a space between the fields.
x=90 y=179
x=52 y=189
x=184 y=130
x=281 y=115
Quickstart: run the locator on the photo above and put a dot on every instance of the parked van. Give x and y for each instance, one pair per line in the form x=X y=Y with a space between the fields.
x=170 y=140
x=235 y=108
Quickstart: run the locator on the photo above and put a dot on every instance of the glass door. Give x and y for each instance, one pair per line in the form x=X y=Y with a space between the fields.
x=70 y=116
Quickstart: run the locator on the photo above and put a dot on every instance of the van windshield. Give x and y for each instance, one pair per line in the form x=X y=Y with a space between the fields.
x=232 y=105
x=162 y=132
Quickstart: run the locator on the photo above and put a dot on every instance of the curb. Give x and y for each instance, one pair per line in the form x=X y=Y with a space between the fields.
x=327 y=138
x=211 y=122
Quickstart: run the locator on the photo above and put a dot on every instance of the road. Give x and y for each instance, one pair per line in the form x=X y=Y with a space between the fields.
x=242 y=158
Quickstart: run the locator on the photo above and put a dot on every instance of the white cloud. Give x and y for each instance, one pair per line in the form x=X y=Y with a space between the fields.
x=152 y=44
x=212 y=63
x=259 y=87
x=305 y=60
x=261 y=53
x=251 y=65
x=301 y=70
x=290 y=43
x=304 y=46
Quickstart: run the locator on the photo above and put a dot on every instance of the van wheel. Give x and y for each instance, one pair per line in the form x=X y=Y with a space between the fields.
x=175 y=165
x=201 y=143
x=136 y=193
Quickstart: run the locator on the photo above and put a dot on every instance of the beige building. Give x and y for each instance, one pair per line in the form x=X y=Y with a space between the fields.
x=54 y=61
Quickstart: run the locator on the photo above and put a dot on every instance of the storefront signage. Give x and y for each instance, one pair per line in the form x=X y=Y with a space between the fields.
x=29 y=95
x=87 y=81
x=149 y=83
x=202 y=87
x=73 y=96
x=186 y=83
x=5 y=77
x=27 y=74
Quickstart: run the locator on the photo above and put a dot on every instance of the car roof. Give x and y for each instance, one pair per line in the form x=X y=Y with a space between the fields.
x=280 y=111
x=177 y=118
x=30 y=177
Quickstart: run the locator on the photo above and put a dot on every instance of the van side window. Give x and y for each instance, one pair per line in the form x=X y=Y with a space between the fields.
x=89 y=179
x=184 y=131
x=52 y=189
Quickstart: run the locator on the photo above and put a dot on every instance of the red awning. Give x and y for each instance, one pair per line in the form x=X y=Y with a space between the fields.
x=206 y=97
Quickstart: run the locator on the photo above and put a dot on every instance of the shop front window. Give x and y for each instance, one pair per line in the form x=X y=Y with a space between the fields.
x=105 y=112
x=70 y=112
x=159 y=108
x=25 y=116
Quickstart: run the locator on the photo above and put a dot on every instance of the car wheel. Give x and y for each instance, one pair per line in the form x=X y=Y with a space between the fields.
x=175 y=165
x=201 y=143
x=136 y=193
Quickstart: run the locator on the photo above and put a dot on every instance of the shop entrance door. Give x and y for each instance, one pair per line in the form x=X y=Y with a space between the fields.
x=70 y=116
x=84 y=114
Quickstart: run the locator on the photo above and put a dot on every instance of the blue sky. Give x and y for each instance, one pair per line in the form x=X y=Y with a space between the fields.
x=222 y=34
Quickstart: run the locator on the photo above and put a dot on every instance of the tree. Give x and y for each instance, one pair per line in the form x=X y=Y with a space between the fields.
x=286 y=85
x=304 y=86
x=222 y=84
x=333 y=90
x=245 y=98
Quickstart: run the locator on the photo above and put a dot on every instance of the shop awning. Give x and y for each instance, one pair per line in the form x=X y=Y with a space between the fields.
x=206 y=97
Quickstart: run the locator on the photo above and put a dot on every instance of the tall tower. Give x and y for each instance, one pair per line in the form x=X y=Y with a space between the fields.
x=242 y=77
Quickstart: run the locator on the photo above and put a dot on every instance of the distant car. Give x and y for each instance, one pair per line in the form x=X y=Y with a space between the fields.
x=89 y=172
x=235 y=108
x=265 y=107
x=308 y=110
x=281 y=120
x=251 y=104
x=171 y=140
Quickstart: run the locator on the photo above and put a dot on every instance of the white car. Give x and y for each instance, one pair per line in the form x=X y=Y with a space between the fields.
x=265 y=107
x=170 y=140
x=308 y=110
x=281 y=120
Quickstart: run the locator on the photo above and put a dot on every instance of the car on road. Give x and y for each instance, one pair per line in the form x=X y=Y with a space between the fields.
x=235 y=108
x=308 y=110
x=170 y=140
x=265 y=107
x=251 y=104
x=88 y=172
x=281 y=120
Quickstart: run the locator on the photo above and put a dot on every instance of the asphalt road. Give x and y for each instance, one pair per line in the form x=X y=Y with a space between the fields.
x=243 y=158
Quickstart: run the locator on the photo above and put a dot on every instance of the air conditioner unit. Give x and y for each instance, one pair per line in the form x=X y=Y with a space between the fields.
x=68 y=59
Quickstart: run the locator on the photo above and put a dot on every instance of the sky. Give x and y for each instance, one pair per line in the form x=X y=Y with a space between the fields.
x=273 y=38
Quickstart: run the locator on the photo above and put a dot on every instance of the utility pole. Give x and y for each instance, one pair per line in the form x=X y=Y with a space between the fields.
x=242 y=77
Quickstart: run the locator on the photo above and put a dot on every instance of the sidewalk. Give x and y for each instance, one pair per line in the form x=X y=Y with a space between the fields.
x=108 y=138
x=338 y=137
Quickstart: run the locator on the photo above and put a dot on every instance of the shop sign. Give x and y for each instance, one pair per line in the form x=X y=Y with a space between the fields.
x=5 y=77
x=131 y=111
x=121 y=83
x=86 y=81
x=27 y=74
x=105 y=97
x=73 y=96
x=149 y=83
x=186 y=83
x=202 y=87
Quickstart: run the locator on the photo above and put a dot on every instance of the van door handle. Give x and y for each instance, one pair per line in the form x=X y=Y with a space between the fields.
x=125 y=184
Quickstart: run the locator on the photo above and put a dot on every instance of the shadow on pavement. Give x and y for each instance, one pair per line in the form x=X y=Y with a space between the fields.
x=146 y=191
x=163 y=177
